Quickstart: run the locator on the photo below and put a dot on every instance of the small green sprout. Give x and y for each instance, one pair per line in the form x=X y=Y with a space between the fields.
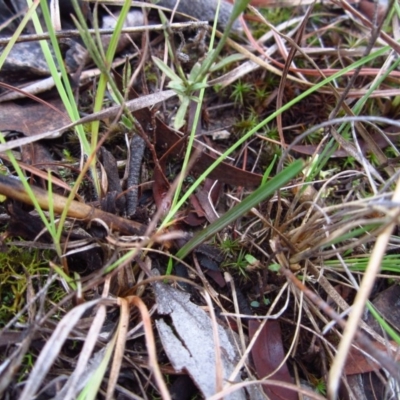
x=252 y=262
x=230 y=246
x=320 y=387
x=184 y=88
x=245 y=124
x=274 y=267
x=244 y=263
x=240 y=92
x=349 y=162
x=256 y=304
x=68 y=156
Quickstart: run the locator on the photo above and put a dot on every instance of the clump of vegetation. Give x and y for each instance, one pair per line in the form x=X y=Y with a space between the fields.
x=22 y=273
x=255 y=172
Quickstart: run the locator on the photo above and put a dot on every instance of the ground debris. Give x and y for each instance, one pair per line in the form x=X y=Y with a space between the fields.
x=190 y=345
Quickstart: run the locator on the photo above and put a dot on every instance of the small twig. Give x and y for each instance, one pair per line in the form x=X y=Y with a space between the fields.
x=69 y=33
x=111 y=112
x=285 y=72
x=14 y=189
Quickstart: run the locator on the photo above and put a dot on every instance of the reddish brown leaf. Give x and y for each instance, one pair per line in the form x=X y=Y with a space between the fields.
x=37 y=154
x=201 y=204
x=267 y=354
x=198 y=209
x=193 y=220
x=30 y=117
x=223 y=172
x=358 y=363
x=168 y=139
x=207 y=202
x=217 y=276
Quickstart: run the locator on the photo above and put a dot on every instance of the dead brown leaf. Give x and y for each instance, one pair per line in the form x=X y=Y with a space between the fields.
x=358 y=363
x=268 y=353
x=31 y=117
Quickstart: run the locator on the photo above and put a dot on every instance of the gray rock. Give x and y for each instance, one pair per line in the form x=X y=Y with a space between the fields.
x=204 y=10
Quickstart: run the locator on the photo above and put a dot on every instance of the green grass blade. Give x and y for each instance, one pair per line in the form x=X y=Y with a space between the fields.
x=91 y=389
x=267 y=172
x=270 y=118
x=167 y=70
x=63 y=85
x=226 y=61
x=47 y=223
x=68 y=279
x=243 y=207
x=52 y=217
x=382 y=322
x=390 y=263
x=238 y=8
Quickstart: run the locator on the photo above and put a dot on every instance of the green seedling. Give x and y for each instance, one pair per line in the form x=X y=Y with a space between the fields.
x=261 y=94
x=239 y=264
x=274 y=267
x=255 y=304
x=244 y=263
x=349 y=162
x=373 y=159
x=314 y=137
x=252 y=262
x=230 y=246
x=240 y=92
x=246 y=124
x=320 y=387
x=186 y=87
x=68 y=156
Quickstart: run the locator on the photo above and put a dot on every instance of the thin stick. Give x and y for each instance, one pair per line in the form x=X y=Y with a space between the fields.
x=69 y=33
x=13 y=188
